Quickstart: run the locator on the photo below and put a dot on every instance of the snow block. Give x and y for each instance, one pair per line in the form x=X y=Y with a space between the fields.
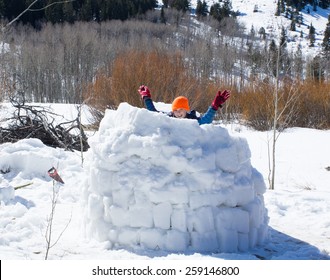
x=204 y=242
x=152 y=239
x=162 y=215
x=160 y=183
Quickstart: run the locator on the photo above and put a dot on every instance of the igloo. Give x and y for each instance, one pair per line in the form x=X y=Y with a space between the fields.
x=160 y=183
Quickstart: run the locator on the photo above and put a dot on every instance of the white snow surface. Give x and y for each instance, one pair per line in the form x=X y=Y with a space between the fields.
x=298 y=208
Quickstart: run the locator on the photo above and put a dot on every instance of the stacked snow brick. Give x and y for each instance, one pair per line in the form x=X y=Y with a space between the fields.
x=160 y=183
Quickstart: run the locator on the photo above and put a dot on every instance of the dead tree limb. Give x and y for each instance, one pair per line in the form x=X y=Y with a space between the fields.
x=30 y=121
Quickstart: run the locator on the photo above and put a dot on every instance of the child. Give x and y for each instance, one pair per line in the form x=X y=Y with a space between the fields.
x=181 y=109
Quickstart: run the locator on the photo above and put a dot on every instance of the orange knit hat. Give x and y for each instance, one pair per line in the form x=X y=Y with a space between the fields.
x=180 y=102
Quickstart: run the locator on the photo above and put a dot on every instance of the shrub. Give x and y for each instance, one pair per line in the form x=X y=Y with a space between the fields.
x=164 y=74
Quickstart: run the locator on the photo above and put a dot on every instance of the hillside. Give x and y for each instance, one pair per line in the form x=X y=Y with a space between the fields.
x=70 y=56
x=265 y=17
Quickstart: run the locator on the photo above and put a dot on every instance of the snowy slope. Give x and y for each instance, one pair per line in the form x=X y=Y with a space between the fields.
x=265 y=17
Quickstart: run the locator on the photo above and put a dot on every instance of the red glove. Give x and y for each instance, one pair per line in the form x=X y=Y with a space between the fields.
x=144 y=91
x=220 y=98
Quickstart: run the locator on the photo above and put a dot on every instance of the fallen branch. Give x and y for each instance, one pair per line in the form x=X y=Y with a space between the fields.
x=37 y=122
x=23 y=186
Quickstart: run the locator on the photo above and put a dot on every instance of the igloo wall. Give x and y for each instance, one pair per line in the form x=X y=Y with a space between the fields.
x=160 y=183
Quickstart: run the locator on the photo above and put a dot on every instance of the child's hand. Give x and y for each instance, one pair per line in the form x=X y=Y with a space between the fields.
x=144 y=91
x=220 y=98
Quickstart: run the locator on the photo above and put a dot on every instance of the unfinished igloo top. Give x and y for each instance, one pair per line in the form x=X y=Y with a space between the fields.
x=161 y=183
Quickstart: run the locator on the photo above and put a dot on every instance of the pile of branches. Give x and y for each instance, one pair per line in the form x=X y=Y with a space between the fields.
x=37 y=122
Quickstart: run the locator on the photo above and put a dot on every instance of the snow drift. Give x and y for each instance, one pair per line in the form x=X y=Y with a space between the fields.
x=160 y=183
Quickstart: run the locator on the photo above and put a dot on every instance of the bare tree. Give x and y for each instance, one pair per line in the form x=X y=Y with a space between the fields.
x=4 y=27
x=284 y=106
x=50 y=243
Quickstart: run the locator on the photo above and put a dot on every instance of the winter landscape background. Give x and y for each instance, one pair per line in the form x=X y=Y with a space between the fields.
x=298 y=208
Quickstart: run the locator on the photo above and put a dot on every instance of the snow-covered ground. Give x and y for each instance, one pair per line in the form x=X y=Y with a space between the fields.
x=298 y=208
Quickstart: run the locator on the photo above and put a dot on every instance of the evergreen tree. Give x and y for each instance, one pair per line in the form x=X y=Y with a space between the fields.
x=2 y=8
x=54 y=14
x=293 y=25
x=162 y=15
x=215 y=11
x=221 y=10
x=252 y=32
x=324 y=4
x=165 y=3
x=314 y=6
x=273 y=54
x=71 y=11
x=282 y=6
x=87 y=11
x=284 y=62
x=311 y=35
x=180 y=5
x=226 y=8
x=262 y=33
x=68 y=12
x=283 y=38
x=300 y=19
x=278 y=8
x=326 y=39
x=201 y=9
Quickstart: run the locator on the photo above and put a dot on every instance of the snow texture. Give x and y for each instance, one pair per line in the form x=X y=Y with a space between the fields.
x=160 y=183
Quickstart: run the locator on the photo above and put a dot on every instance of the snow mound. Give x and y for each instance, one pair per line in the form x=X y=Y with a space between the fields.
x=27 y=162
x=7 y=193
x=160 y=183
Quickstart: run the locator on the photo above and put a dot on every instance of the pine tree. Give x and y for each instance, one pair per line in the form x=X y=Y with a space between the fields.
x=165 y=3
x=324 y=4
x=180 y=5
x=68 y=12
x=262 y=33
x=252 y=32
x=311 y=35
x=2 y=8
x=215 y=11
x=283 y=38
x=314 y=6
x=87 y=11
x=220 y=11
x=201 y=9
x=284 y=57
x=273 y=57
x=326 y=39
x=278 y=8
x=293 y=25
x=226 y=8
x=162 y=15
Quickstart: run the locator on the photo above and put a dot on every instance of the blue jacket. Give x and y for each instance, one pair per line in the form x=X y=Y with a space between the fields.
x=204 y=119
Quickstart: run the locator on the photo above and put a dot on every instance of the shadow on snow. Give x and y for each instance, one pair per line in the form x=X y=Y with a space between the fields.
x=279 y=246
